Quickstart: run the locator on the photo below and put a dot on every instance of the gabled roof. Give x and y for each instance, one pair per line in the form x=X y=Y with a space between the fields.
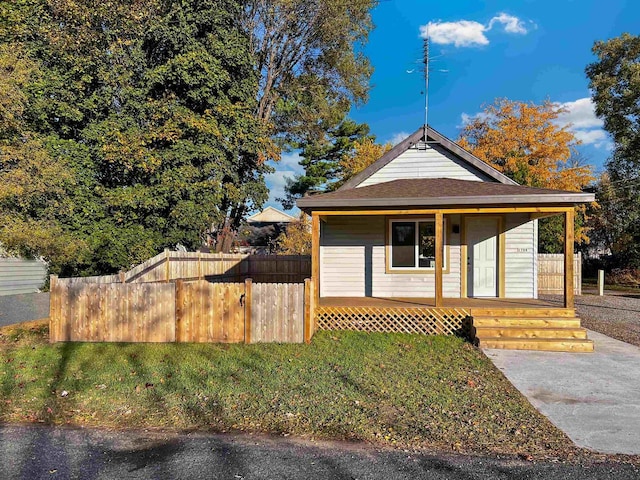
x=431 y=192
x=270 y=215
x=435 y=139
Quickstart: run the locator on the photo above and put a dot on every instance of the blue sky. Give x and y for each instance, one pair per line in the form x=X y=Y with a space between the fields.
x=481 y=50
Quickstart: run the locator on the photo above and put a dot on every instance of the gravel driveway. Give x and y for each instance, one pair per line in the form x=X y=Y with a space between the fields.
x=616 y=314
x=22 y=308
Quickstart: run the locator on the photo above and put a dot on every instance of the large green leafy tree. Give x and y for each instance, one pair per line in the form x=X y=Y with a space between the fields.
x=615 y=85
x=145 y=109
x=310 y=62
x=311 y=72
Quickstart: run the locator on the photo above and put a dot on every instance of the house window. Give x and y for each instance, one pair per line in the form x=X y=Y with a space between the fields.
x=413 y=244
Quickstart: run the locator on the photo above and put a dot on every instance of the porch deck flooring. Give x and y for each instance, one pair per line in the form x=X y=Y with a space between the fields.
x=387 y=302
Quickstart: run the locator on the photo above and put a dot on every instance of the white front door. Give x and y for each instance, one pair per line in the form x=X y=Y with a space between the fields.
x=482 y=249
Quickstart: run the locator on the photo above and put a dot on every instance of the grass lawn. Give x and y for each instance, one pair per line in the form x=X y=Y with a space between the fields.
x=395 y=389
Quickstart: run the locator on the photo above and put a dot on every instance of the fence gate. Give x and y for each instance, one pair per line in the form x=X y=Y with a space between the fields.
x=210 y=312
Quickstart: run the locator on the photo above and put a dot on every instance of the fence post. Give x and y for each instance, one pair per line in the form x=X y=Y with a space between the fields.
x=121 y=274
x=308 y=310
x=247 y=309
x=179 y=304
x=167 y=270
x=200 y=265
x=601 y=282
x=53 y=314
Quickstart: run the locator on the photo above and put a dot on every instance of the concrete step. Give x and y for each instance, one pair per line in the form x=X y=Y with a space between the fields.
x=543 y=344
x=533 y=322
x=530 y=332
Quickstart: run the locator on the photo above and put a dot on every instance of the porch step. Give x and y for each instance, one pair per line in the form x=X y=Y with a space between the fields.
x=527 y=332
x=531 y=322
x=524 y=312
x=543 y=344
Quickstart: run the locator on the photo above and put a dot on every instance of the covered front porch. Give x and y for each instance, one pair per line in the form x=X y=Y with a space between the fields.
x=442 y=256
x=359 y=251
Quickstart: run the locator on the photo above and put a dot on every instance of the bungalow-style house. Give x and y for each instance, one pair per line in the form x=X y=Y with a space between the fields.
x=428 y=238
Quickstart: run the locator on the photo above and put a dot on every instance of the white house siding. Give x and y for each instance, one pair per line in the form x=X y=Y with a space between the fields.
x=348 y=242
x=520 y=257
x=428 y=163
x=21 y=276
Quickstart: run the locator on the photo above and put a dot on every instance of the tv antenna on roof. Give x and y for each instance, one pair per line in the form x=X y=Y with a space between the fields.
x=425 y=59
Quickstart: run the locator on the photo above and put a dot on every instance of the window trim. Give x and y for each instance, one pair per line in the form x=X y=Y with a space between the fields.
x=415 y=270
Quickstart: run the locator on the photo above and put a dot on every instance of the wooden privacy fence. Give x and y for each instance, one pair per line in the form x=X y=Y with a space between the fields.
x=181 y=311
x=111 y=312
x=551 y=273
x=221 y=267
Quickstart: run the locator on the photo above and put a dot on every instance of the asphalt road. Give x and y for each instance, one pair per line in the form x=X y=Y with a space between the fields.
x=22 y=308
x=38 y=452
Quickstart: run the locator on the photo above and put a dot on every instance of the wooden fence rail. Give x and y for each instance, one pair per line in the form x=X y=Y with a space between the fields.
x=551 y=273
x=181 y=311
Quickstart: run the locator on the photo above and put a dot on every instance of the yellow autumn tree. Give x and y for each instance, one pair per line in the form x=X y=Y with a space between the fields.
x=526 y=142
x=363 y=154
x=296 y=239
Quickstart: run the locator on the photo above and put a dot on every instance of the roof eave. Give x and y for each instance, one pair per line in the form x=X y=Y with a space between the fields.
x=484 y=200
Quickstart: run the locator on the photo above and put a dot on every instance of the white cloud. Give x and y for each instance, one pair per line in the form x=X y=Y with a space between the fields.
x=581 y=117
x=580 y=113
x=463 y=33
x=466 y=118
x=587 y=137
x=290 y=161
x=396 y=138
x=468 y=33
x=511 y=24
x=287 y=167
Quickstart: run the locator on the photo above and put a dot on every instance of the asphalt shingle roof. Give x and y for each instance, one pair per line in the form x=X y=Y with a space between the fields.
x=441 y=191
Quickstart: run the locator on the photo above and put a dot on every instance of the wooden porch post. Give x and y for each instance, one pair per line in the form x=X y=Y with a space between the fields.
x=438 y=275
x=315 y=255
x=568 y=259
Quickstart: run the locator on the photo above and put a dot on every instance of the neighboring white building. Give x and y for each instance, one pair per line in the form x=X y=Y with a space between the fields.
x=270 y=215
x=262 y=229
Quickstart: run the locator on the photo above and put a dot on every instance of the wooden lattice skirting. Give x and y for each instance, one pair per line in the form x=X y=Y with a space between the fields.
x=426 y=321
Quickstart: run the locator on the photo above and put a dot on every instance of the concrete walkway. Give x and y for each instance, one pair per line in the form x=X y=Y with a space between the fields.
x=593 y=397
